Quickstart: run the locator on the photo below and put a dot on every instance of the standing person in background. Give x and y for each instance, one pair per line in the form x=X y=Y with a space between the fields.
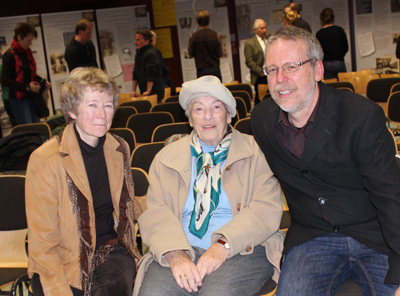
x=290 y=18
x=19 y=75
x=334 y=44
x=80 y=52
x=254 y=53
x=148 y=71
x=300 y=23
x=205 y=47
x=165 y=69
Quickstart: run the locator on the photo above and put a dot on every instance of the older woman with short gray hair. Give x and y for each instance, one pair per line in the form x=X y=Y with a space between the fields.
x=213 y=206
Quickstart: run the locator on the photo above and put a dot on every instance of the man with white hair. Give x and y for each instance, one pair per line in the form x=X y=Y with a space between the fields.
x=254 y=52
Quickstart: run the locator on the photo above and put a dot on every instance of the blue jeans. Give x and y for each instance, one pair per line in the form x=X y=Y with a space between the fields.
x=332 y=68
x=24 y=110
x=320 y=266
x=237 y=276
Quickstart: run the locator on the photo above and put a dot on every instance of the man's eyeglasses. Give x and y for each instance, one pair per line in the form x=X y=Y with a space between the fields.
x=287 y=68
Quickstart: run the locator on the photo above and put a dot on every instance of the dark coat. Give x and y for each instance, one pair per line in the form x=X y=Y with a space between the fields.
x=347 y=180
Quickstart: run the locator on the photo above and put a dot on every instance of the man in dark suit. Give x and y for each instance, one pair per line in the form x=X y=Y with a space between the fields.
x=254 y=52
x=335 y=160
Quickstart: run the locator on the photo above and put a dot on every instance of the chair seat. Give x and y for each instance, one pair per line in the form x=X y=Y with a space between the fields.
x=8 y=275
x=268 y=289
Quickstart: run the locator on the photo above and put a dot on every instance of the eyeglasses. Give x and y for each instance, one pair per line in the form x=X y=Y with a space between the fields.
x=287 y=68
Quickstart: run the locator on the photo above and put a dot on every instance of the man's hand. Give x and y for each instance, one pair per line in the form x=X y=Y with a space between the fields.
x=133 y=94
x=397 y=293
x=183 y=269
x=212 y=259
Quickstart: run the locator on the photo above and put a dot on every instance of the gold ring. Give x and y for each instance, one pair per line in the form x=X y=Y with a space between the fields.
x=183 y=275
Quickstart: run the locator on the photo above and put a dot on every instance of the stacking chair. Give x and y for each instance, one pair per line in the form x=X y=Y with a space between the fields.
x=390 y=75
x=171 y=99
x=140 y=181
x=140 y=105
x=143 y=124
x=13 y=232
x=164 y=131
x=174 y=108
x=329 y=80
x=121 y=116
x=243 y=126
x=378 y=90
x=41 y=127
x=241 y=108
x=395 y=87
x=127 y=135
x=245 y=96
x=341 y=84
x=143 y=155
x=394 y=107
x=241 y=86
x=263 y=90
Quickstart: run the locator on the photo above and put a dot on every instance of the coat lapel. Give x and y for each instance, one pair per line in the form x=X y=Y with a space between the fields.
x=73 y=161
x=115 y=164
x=323 y=128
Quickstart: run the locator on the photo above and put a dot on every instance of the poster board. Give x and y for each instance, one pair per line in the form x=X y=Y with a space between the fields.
x=117 y=30
x=58 y=31
x=377 y=29
x=186 y=23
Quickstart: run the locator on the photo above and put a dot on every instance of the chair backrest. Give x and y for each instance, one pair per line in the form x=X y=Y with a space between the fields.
x=167 y=92
x=263 y=89
x=390 y=75
x=358 y=78
x=345 y=88
x=121 y=116
x=143 y=155
x=241 y=86
x=244 y=126
x=174 y=108
x=140 y=105
x=241 y=108
x=395 y=87
x=170 y=99
x=394 y=107
x=164 y=131
x=140 y=181
x=244 y=95
x=329 y=80
x=127 y=135
x=143 y=124
x=41 y=127
x=378 y=90
x=13 y=225
x=341 y=84
x=345 y=76
x=12 y=209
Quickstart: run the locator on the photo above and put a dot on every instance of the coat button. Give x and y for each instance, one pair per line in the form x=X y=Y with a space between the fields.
x=238 y=206
x=248 y=249
x=321 y=201
x=336 y=229
x=228 y=168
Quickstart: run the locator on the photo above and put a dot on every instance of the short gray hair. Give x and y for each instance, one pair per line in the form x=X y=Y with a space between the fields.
x=256 y=22
x=314 y=50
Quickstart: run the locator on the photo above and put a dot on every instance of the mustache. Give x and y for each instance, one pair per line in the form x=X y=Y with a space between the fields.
x=284 y=86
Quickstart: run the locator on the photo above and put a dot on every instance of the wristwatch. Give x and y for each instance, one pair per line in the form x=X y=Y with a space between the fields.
x=224 y=243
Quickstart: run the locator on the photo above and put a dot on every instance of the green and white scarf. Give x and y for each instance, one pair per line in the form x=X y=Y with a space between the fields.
x=207 y=186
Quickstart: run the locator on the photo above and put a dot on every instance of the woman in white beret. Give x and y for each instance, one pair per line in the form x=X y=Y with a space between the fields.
x=213 y=206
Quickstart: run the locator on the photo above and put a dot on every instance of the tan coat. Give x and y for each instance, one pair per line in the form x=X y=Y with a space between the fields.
x=54 y=235
x=253 y=191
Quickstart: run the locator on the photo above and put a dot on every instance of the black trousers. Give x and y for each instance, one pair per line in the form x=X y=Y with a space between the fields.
x=113 y=277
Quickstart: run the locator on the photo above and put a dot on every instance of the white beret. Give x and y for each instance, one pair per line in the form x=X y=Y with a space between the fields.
x=207 y=86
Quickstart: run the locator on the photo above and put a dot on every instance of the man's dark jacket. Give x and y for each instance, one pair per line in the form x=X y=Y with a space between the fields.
x=347 y=179
x=80 y=55
x=148 y=68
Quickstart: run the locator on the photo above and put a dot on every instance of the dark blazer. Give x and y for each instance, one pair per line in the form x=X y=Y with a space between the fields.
x=347 y=180
x=254 y=56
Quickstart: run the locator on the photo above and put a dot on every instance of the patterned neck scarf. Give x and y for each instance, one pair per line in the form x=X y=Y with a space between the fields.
x=17 y=50
x=207 y=185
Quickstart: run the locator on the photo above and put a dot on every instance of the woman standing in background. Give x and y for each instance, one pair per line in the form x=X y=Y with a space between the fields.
x=19 y=74
x=333 y=40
